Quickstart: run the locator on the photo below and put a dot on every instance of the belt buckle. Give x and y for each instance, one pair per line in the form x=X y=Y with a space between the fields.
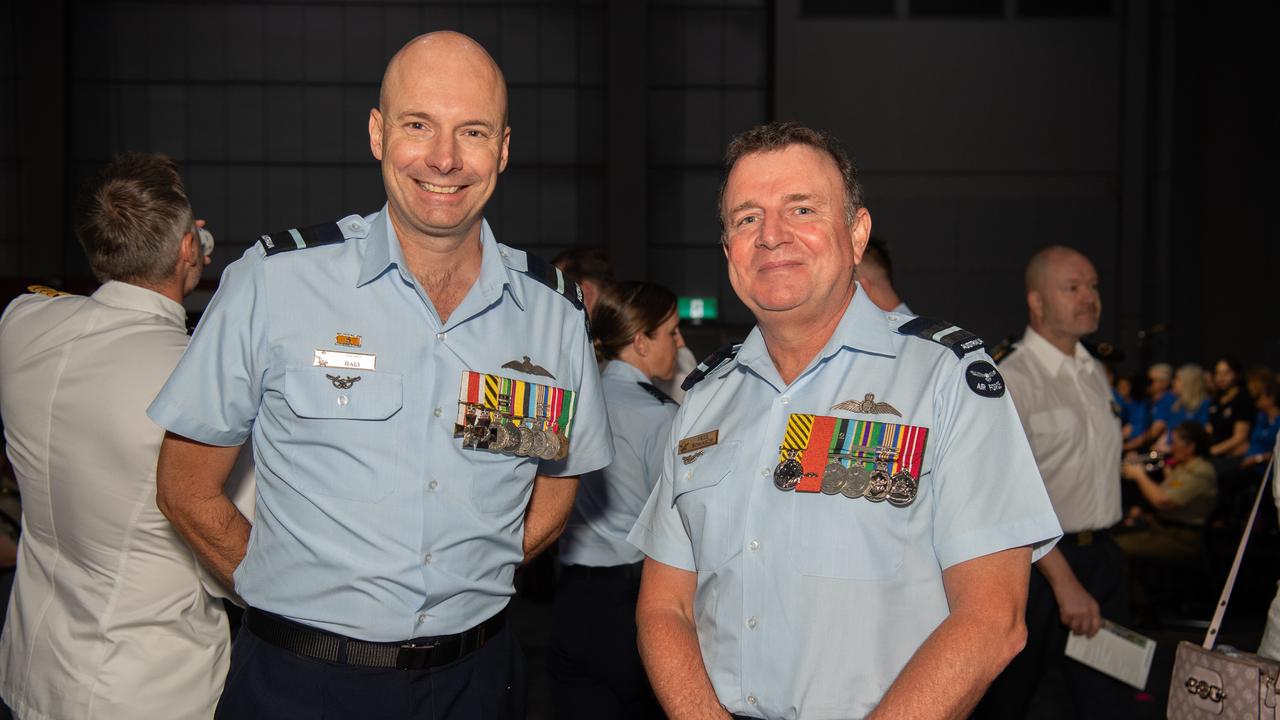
x=411 y=656
x=1084 y=537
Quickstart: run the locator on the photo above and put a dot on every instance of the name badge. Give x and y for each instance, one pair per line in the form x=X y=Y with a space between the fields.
x=698 y=442
x=349 y=360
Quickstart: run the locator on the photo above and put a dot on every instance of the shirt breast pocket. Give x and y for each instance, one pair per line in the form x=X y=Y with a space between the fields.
x=342 y=421
x=704 y=499
x=834 y=536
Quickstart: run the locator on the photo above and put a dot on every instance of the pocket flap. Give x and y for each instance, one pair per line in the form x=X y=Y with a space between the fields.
x=708 y=470
x=337 y=393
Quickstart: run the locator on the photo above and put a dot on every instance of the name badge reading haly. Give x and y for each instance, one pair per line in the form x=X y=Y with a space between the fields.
x=349 y=360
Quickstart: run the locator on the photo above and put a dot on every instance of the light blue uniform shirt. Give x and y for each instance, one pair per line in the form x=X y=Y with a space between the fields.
x=372 y=520
x=809 y=605
x=609 y=500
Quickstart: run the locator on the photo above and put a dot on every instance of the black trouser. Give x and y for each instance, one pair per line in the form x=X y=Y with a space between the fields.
x=271 y=683
x=1100 y=567
x=595 y=667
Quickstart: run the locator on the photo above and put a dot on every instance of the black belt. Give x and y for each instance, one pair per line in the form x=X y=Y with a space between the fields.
x=612 y=572
x=416 y=654
x=1086 y=537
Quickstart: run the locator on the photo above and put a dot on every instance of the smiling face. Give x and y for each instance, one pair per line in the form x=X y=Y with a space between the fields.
x=441 y=136
x=790 y=247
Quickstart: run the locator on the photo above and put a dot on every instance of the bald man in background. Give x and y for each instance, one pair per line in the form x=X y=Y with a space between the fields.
x=362 y=356
x=1064 y=403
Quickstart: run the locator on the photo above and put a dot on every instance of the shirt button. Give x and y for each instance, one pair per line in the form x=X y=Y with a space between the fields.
x=441 y=336
x=764 y=472
x=755 y=545
x=785 y=400
x=342 y=400
x=437 y=412
x=422 y=617
x=751 y=699
x=688 y=475
x=428 y=558
x=433 y=485
x=751 y=623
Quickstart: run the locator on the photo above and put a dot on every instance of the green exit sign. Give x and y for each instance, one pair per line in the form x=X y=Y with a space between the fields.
x=696 y=308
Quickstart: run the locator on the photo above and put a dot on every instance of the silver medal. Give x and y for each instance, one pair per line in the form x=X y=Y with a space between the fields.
x=526 y=442
x=878 y=490
x=834 y=477
x=855 y=485
x=902 y=490
x=788 y=473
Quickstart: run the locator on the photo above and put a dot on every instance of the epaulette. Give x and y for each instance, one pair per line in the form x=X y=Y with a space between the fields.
x=550 y=275
x=709 y=364
x=46 y=291
x=959 y=341
x=316 y=235
x=655 y=391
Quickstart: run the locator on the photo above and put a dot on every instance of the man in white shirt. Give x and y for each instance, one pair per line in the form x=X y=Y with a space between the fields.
x=109 y=618
x=1065 y=406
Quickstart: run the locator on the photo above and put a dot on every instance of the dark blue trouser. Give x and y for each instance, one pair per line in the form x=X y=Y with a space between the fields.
x=594 y=665
x=268 y=682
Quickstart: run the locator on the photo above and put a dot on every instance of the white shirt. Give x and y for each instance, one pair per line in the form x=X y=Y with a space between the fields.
x=108 y=617
x=1065 y=407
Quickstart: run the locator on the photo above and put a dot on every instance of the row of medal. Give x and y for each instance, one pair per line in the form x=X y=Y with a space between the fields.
x=485 y=429
x=856 y=458
x=853 y=481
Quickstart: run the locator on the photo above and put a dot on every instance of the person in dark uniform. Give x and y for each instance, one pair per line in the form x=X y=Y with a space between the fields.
x=595 y=668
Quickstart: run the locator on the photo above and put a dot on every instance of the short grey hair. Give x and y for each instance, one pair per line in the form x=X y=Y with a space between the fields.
x=131 y=219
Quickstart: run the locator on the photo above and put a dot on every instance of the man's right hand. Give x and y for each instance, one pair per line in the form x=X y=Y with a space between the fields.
x=1076 y=607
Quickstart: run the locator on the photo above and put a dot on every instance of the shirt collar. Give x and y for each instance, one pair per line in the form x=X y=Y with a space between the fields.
x=382 y=251
x=623 y=370
x=862 y=328
x=133 y=297
x=1053 y=359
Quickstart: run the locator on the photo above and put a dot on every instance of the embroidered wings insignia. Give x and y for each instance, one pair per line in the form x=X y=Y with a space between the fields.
x=343 y=383
x=528 y=367
x=867 y=406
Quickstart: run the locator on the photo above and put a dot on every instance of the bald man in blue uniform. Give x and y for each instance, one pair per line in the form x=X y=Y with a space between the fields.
x=421 y=400
x=848 y=508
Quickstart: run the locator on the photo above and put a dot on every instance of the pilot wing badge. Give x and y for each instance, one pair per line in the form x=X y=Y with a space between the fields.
x=528 y=367
x=867 y=406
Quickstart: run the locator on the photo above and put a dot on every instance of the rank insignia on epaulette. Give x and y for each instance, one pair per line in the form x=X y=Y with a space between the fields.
x=958 y=340
x=299 y=238
x=708 y=365
x=46 y=291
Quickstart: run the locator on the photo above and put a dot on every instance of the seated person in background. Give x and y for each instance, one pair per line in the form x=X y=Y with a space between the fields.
x=595 y=667
x=1256 y=379
x=1191 y=404
x=1158 y=403
x=1230 y=417
x=1133 y=411
x=1183 y=500
x=1265 y=426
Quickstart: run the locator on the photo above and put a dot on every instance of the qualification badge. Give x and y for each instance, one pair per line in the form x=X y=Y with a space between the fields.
x=855 y=458
x=504 y=415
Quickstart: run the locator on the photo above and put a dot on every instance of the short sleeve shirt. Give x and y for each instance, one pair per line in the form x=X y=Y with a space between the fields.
x=373 y=521
x=609 y=500
x=1193 y=486
x=807 y=604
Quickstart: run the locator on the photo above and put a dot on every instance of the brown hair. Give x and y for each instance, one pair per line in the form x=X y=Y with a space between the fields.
x=625 y=310
x=131 y=220
x=777 y=135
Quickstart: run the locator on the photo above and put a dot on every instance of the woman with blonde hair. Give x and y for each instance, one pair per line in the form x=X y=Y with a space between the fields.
x=1192 y=404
